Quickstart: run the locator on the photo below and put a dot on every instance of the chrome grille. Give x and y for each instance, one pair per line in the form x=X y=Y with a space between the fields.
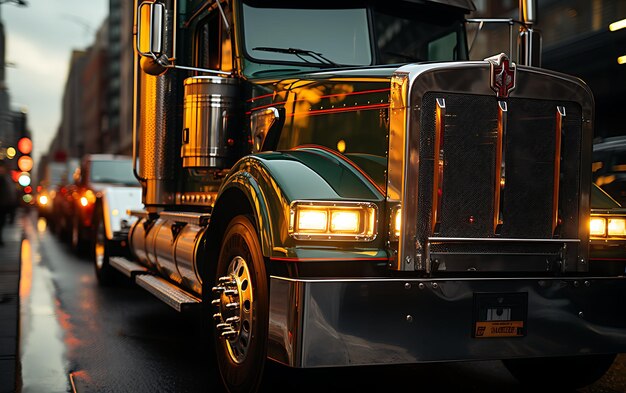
x=468 y=199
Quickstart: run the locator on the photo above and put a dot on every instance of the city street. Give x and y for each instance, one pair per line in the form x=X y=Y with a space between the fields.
x=78 y=336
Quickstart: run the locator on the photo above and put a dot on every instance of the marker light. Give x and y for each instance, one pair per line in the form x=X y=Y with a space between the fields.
x=83 y=201
x=43 y=200
x=354 y=221
x=397 y=223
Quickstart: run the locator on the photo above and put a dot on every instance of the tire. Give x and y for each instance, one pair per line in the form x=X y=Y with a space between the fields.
x=102 y=247
x=560 y=372
x=241 y=345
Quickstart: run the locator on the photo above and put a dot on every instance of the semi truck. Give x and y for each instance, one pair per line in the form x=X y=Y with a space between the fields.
x=338 y=184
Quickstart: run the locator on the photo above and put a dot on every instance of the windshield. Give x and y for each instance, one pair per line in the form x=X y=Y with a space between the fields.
x=113 y=171
x=357 y=36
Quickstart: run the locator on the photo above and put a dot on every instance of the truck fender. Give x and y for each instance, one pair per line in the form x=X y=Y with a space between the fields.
x=116 y=203
x=243 y=186
x=268 y=182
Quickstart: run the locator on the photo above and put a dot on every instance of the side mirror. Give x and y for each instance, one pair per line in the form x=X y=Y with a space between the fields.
x=150 y=29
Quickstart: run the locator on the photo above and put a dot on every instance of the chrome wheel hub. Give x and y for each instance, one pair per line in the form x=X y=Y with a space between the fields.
x=234 y=301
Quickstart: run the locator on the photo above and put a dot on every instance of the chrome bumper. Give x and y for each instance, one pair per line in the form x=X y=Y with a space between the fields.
x=327 y=323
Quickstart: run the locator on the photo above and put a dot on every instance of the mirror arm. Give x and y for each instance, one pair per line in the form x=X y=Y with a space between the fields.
x=223 y=15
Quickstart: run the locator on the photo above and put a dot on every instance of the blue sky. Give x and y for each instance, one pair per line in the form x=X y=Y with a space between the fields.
x=39 y=41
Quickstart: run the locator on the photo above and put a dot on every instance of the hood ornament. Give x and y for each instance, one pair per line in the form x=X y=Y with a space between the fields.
x=502 y=73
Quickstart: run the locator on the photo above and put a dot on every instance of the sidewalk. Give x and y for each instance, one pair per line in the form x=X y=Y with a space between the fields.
x=9 y=304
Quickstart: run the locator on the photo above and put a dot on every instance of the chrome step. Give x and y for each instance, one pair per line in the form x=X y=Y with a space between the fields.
x=129 y=268
x=201 y=219
x=168 y=293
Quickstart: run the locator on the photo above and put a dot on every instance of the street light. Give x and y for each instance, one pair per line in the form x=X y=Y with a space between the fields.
x=620 y=24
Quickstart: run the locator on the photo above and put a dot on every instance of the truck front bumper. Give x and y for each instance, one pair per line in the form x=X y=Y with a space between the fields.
x=344 y=322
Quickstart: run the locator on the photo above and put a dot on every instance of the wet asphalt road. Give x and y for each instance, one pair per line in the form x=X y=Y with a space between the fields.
x=78 y=336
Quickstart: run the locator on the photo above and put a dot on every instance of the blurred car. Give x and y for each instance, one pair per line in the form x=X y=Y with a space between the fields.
x=607 y=234
x=55 y=176
x=101 y=179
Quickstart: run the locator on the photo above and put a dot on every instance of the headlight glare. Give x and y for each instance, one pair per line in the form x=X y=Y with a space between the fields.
x=344 y=221
x=313 y=220
x=617 y=227
x=597 y=226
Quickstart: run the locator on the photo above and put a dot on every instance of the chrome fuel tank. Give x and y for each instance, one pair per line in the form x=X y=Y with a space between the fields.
x=210 y=109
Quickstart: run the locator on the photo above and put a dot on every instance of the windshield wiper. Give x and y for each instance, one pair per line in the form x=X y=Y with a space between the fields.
x=298 y=52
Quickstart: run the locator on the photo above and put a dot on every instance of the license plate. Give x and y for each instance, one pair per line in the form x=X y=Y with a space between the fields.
x=500 y=315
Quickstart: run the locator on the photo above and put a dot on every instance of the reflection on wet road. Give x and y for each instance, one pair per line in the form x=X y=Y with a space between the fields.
x=42 y=349
x=77 y=335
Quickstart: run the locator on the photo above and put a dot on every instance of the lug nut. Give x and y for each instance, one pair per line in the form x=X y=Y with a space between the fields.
x=233 y=320
x=232 y=306
x=231 y=292
x=216 y=302
x=218 y=289
x=229 y=334
x=217 y=317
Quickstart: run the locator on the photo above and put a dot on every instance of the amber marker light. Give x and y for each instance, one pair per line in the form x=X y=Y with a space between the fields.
x=597 y=226
x=313 y=220
x=617 y=227
x=397 y=223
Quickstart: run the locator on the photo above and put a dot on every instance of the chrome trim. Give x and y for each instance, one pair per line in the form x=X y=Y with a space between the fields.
x=500 y=176
x=196 y=198
x=347 y=322
x=137 y=213
x=399 y=118
x=415 y=80
x=499 y=239
x=440 y=126
x=560 y=116
x=201 y=219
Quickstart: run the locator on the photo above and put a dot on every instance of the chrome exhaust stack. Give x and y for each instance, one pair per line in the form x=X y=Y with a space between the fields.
x=529 y=37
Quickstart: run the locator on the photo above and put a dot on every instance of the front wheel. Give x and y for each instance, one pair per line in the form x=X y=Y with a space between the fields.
x=101 y=252
x=570 y=372
x=241 y=309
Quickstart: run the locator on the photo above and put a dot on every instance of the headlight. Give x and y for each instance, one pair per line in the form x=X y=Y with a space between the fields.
x=333 y=221
x=84 y=201
x=617 y=227
x=597 y=226
x=43 y=200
